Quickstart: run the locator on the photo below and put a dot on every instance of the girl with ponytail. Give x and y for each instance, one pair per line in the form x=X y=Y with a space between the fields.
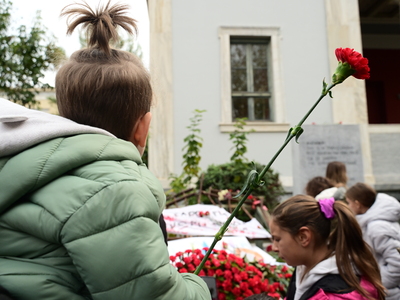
x=323 y=240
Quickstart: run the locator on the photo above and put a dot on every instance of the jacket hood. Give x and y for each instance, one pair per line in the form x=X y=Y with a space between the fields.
x=36 y=148
x=21 y=128
x=385 y=208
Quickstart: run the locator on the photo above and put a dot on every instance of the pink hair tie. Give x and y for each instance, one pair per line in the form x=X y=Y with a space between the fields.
x=326 y=206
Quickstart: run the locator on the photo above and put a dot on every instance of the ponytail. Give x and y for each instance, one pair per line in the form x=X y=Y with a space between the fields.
x=352 y=251
x=101 y=25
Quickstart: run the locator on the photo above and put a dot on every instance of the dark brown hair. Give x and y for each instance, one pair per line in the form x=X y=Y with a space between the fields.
x=363 y=193
x=342 y=234
x=101 y=86
x=316 y=185
x=336 y=173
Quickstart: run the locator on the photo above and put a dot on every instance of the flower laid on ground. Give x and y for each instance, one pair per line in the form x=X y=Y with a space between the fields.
x=236 y=277
x=204 y=213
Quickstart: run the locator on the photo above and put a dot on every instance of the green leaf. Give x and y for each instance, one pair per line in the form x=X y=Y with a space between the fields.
x=298 y=134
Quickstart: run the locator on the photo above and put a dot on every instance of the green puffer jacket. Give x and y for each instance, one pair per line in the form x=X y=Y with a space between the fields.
x=79 y=220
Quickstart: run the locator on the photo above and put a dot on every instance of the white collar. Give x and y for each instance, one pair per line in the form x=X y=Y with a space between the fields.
x=305 y=281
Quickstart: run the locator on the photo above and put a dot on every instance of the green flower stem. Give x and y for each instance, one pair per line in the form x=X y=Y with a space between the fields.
x=222 y=231
x=323 y=94
x=293 y=132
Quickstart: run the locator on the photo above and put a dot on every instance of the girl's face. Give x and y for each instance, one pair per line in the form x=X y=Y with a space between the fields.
x=287 y=246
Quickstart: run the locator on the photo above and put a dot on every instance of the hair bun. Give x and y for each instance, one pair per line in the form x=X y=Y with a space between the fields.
x=101 y=24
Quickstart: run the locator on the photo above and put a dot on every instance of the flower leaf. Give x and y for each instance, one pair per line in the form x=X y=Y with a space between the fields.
x=298 y=134
x=250 y=181
x=324 y=85
x=289 y=133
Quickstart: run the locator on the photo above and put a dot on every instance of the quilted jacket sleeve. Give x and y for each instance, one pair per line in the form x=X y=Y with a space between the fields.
x=118 y=248
x=384 y=239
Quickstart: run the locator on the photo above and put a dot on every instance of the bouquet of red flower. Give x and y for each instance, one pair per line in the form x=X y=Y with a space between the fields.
x=236 y=277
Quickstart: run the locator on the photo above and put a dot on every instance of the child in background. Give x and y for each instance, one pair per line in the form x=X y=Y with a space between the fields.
x=378 y=216
x=316 y=185
x=323 y=240
x=336 y=172
x=79 y=210
x=321 y=188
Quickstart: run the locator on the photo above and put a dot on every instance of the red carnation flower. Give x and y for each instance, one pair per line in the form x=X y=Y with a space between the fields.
x=228 y=275
x=236 y=291
x=216 y=262
x=227 y=285
x=244 y=286
x=235 y=270
x=191 y=268
x=248 y=293
x=221 y=296
x=237 y=278
x=244 y=275
x=350 y=63
x=275 y=295
x=210 y=272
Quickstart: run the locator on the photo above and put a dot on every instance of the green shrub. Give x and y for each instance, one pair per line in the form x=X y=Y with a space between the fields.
x=232 y=176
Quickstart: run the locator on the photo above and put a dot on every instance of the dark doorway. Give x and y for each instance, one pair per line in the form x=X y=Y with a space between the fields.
x=380 y=30
x=383 y=88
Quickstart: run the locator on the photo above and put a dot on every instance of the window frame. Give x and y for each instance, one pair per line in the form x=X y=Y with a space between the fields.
x=277 y=105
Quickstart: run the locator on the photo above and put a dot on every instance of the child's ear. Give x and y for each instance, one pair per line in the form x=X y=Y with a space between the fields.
x=140 y=132
x=304 y=236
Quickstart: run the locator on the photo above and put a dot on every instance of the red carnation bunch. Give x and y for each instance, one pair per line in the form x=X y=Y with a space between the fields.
x=236 y=277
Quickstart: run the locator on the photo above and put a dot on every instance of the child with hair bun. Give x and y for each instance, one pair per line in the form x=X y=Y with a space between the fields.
x=378 y=215
x=79 y=210
x=323 y=240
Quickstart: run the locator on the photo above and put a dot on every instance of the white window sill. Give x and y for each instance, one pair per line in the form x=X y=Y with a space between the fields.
x=257 y=126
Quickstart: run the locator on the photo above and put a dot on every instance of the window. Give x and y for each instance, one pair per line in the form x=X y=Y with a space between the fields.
x=249 y=75
x=250 y=78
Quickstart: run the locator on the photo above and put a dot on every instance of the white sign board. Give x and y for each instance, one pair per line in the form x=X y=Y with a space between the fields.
x=206 y=220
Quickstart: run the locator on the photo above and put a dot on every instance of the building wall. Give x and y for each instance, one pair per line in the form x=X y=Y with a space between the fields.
x=187 y=69
x=196 y=71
